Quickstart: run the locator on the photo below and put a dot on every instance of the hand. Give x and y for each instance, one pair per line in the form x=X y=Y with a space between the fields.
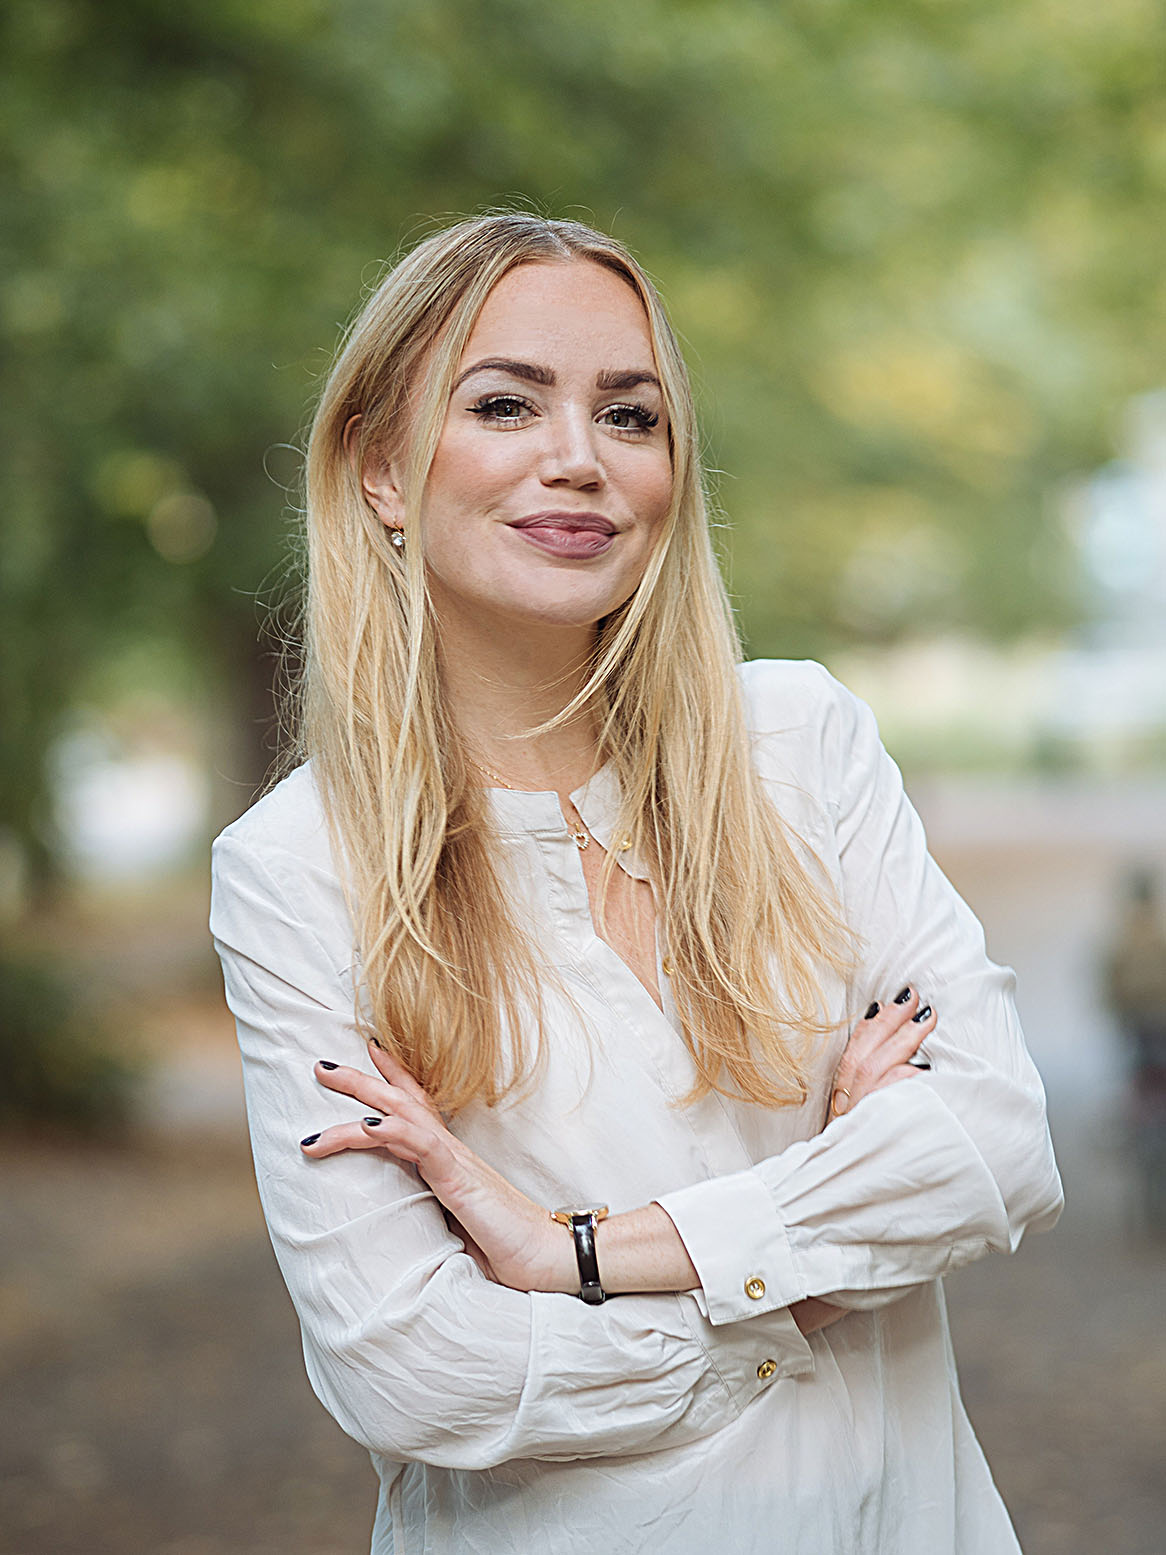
x=811 y=1314
x=878 y=1050
x=512 y=1239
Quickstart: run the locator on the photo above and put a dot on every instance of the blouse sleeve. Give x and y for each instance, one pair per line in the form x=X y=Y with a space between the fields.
x=924 y=1175
x=410 y=1347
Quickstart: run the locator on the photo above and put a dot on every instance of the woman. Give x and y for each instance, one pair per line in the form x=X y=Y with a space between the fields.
x=569 y=911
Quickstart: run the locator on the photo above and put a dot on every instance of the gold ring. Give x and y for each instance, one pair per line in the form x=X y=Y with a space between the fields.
x=839 y=1090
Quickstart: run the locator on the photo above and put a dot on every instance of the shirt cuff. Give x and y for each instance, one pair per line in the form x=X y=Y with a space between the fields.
x=738 y=1245
x=750 y=1358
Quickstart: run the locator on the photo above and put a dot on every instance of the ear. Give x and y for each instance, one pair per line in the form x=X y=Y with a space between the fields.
x=377 y=479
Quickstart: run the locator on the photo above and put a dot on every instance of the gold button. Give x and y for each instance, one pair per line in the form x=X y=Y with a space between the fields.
x=666 y=966
x=766 y=1370
x=624 y=844
x=755 y=1288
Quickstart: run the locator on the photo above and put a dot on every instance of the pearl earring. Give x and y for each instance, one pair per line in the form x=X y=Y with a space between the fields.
x=397 y=539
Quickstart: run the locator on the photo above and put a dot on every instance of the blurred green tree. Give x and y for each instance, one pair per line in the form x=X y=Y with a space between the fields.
x=912 y=249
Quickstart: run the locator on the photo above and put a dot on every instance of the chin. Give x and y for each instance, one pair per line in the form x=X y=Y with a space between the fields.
x=569 y=616
x=540 y=597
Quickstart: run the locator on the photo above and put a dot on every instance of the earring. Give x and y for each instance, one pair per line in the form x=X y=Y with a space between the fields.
x=397 y=539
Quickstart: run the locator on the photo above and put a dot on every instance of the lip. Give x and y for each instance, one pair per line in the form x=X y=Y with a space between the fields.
x=563 y=518
x=571 y=536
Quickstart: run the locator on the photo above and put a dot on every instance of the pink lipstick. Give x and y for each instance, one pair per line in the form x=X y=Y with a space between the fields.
x=574 y=536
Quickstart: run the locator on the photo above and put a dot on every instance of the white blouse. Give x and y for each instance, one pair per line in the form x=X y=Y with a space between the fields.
x=502 y=1423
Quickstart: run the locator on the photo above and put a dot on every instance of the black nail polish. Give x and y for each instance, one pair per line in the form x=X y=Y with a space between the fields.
x=921 y=1065
x=873 y=1011
x=903 y=995
x=373 y=1122
x=311 y=1139
x=921 y=1015
x=326 y=1063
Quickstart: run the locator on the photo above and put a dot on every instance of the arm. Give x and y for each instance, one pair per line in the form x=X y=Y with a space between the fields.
x=515 y=1241
x=407 y=1343
x=921 y=1176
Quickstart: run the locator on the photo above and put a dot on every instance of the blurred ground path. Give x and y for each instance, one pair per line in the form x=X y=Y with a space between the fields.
x=154 y=1395
x=1062 y=1357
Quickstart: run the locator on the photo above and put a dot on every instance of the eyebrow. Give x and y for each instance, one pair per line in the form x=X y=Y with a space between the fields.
x=625 y=378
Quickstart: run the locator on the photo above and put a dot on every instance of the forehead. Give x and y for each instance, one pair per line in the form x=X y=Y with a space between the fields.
x=574 y=304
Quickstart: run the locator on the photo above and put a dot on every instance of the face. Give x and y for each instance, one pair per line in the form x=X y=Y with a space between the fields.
x=552 y=477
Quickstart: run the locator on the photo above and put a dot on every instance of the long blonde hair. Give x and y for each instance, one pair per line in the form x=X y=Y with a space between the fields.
x=449 y=982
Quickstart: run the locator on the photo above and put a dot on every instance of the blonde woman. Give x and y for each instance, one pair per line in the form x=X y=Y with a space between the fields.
x=580 y=960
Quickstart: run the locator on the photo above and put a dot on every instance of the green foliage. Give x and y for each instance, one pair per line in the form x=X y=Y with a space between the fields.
x=57 y=1068
x=911 y=247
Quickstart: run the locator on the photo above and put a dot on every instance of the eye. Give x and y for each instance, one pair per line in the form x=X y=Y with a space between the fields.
x=500 y=407
x=635 y=418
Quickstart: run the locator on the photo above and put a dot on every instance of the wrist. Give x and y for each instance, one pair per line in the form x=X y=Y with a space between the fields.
x=562 y=1266
x=640 y=1250
x=582 y=1221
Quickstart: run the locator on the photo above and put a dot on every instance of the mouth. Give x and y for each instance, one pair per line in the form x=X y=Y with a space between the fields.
x=572 y=536
x=571 y=523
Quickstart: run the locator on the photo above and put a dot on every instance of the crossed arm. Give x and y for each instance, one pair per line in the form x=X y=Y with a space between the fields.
x=514 y=1240
x=906 y=1185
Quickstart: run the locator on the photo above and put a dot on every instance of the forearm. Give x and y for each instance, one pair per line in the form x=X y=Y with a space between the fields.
x=641 y=1251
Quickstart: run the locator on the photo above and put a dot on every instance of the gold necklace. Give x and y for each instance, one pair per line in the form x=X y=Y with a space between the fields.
x=581 y=838
x=490 y=773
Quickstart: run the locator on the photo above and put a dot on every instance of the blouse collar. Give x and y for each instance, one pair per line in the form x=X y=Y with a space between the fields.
x=517 y=812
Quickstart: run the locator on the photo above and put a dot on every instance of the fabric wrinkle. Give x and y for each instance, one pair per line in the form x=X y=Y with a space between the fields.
x=501 y=1422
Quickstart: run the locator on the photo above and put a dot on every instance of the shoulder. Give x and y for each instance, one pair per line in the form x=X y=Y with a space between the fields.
x=813 y=740
x=787 y=693
x=802 y=702
x=276 y=898
x=281 y=842
x=288 y=815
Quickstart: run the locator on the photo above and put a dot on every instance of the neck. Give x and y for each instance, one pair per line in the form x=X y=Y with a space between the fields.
x=500 y=681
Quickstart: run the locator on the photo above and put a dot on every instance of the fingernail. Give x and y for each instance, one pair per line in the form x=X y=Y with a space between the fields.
x=873 y=1011
x=311 y=1139
x=903 y=995
x=923 y=1064
x=373 y=1122
x=921 y=1015
x=326 y=1063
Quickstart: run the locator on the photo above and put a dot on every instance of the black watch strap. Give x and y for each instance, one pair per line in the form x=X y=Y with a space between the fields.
x=583 y=1230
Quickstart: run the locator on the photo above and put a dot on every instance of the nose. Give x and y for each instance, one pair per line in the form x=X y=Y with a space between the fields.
x=571 y=454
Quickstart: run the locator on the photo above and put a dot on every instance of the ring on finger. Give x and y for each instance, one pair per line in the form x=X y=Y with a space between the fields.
x=839 y=1090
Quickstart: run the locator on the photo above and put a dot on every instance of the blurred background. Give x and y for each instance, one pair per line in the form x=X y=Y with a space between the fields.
x=914 y=251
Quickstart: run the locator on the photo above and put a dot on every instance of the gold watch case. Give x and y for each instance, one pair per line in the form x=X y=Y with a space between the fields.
x=564 y=1214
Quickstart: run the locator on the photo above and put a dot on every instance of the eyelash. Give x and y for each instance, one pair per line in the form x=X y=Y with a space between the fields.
x=484 y=407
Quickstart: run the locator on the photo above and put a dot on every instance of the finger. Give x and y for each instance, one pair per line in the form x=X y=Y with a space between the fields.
x=863 y=1042
x=901 y=1008
x=371 y=1091
x=368 y=1089
x=866 y=1032
x=864 y=1066
x=396 y=1074
x=897 y=1017
x=341 y=1136
x=872 y=1030
x=412 y=1141
x=899 y=1072
x=879 y=1022
x=902 y=1044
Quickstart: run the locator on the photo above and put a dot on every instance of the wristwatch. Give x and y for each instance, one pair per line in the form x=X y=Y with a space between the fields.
x=583 y=1219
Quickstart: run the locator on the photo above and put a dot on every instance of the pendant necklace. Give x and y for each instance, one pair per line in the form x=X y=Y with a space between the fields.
x=581 y=838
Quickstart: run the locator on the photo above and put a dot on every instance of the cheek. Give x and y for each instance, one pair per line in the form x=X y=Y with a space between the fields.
x=461 y=491
x=655 y=492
